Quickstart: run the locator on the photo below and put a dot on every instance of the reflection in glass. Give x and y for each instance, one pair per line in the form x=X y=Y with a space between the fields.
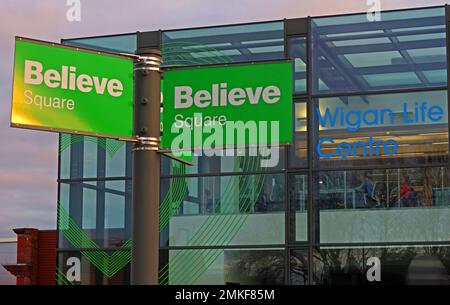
x=223 y=266
x=338 y=267
x=299 y=267
x=254 y=267
x=415 y=265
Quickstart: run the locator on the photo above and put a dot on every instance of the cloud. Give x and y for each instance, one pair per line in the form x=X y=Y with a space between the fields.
x=12 y=180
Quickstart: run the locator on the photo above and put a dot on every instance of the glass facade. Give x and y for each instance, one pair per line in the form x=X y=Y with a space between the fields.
x=227 y=44
x=406 y=49
x=320 y=215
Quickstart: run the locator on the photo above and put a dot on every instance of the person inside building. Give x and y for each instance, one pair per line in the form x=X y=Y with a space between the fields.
x=365 y=189
x=408 y=197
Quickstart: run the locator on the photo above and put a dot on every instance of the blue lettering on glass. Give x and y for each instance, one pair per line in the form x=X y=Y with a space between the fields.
x=345 y=149
x=435 y=113
x=352 y=120
x=319 y=150
x=394 y=147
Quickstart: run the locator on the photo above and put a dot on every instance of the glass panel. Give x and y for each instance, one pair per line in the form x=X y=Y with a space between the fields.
x=392 y=205
x=407 y=128
x=115 y=212
x=117 y=43
x=224 y=266
x=63 y=207
x=297 y=50
x=405 y=49
x=115 y=158
x=64 y=155
x=414 y=265
x=338 y=267
x=93 y=156
x=94 y=269
x=299 y=267
x=299 y=149
x=94 y=214
x=242 y=161
x=89 y=209
x=75 y=146
x=223 y=210
x=299 y=208
x=78 y=156
x=63 y=201
x=215 y=45
x=90 y=159
x=429 y=265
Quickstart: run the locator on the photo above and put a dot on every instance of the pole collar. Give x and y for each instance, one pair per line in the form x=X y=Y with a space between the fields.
x=149 y=57
x=147 y=143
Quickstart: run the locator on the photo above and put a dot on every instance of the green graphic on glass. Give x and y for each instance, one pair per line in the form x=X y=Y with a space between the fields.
x=250 y=96
x=66 y=89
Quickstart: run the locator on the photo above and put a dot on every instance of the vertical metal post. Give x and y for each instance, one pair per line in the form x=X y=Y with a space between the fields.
x=146 y=169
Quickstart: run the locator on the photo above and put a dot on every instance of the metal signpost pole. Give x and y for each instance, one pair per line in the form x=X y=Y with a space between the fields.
x=146 y=169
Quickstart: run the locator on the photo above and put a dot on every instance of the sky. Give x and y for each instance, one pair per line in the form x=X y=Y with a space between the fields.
x=28 y=159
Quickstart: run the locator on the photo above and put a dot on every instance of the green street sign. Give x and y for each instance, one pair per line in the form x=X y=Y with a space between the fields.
x=237 y=105
x=66 y=89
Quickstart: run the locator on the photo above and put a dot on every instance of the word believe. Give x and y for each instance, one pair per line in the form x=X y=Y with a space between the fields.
x=353 y=120
x=221 y=96
x=68 y=79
